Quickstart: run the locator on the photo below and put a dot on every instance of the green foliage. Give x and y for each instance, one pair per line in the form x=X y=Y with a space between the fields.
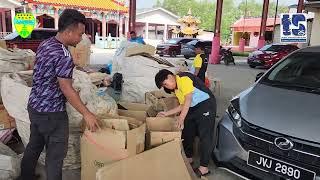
x=241 y=54
x=206 y=11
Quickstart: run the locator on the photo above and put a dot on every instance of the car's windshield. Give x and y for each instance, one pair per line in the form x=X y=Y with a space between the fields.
x=274 y=48
x=172 y=41
x=192 y=43
x=300 y=70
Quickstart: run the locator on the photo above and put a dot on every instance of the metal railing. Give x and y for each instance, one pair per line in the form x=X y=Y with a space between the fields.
x=4 y=34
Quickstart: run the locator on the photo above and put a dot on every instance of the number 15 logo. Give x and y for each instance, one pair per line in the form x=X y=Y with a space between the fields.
x=293 y=26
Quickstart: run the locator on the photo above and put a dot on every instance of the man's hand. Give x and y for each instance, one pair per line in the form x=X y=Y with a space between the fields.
x=162 y=114
x=91 y=121
x=180 y=123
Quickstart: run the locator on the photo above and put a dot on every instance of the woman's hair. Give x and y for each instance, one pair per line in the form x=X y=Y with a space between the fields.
x=161 y=76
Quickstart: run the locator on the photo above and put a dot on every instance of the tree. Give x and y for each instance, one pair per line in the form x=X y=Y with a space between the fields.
x=206 y=10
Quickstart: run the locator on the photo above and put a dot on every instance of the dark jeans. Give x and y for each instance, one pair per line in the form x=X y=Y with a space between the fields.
x=50 y=130
x=200 y=122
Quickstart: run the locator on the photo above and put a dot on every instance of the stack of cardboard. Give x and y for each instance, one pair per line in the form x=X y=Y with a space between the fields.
x=160 y=131
x=81 y=53
x=110 y=144
x=138 y=111
x=115 y=151
x=161 y=101
x=161 y=163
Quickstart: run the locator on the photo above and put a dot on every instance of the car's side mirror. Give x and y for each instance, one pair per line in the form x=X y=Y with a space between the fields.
x=259 y=76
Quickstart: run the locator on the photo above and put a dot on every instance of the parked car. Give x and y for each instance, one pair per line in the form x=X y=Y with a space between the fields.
x=32 y=42
x=269 y=55
x=272 y=129
x=187 y=50
x=172 y=47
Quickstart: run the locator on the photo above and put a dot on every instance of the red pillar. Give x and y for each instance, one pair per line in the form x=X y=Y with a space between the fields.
x=242 y=43
x=132 y=15
x=216 y=39
x=300 y=6
x=264 y=18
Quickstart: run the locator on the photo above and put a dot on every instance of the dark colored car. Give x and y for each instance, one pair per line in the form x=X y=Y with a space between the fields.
x=269 y=55
x=187 y=50
x=172 y=47
x=271 y=131
x=32 y=42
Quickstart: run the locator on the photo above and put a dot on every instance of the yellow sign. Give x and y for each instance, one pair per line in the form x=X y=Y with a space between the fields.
x=24 y=24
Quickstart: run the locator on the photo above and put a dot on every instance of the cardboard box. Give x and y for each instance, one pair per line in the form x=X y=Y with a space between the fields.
x=135 y=110
x=81 y=53
x=3 y=44
x=161 y=130
x=162 y=163
x=161 y=101
x=6 y=121
x=108 y=146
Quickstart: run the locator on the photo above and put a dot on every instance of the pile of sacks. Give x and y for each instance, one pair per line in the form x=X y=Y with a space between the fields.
x=138 y=71
x=15 y=60
x=16 y=88
x=9 y=163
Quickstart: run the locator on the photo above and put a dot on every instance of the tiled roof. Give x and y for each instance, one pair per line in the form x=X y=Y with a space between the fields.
x=103 y=5
x=252 y=24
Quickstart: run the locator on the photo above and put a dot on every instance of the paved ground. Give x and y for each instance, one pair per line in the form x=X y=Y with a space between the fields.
x=234 y=79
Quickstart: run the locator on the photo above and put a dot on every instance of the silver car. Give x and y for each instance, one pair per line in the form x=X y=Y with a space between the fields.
x=272 y=129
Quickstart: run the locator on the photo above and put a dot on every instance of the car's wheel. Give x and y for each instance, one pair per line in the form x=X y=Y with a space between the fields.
x=161 y=55
x=226 y=61
x=252 y=66
x=187 y=57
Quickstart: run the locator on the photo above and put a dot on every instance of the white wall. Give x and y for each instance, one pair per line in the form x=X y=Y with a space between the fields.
x=253 y=40
x=157 y=17
x=315 y=35
x=206 y=36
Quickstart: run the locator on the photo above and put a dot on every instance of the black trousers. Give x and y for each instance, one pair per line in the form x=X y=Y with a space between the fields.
x=200 y=122
x=49 y=130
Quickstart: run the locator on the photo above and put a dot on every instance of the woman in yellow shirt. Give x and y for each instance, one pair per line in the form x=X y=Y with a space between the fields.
x=197 y=113
x=200 y=62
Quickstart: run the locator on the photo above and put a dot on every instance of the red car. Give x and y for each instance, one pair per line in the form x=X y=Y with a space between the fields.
x=32 y=42
x=269 y=55
x=173 y=46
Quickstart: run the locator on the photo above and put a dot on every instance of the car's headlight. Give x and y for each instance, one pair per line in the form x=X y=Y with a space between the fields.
x=234 y=112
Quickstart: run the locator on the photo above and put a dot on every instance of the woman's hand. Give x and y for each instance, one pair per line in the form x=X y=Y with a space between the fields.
x=162 y=114
x=180 y=123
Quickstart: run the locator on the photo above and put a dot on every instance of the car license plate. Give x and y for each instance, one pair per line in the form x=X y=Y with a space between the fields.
x=278 y=167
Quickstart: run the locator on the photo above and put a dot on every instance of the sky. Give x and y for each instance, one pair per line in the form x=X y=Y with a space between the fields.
x=150 y=3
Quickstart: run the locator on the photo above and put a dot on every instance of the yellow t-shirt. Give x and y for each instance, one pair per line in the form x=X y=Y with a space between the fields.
x=197 y=62
x=184 y=87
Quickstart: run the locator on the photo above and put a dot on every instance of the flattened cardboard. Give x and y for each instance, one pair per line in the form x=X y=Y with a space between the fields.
x=162 y=163
x=161 y=130
x=108 y=146
x=135 y=110
x=139 y=115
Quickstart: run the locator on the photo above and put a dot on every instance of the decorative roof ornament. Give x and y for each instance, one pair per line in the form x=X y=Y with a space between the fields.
x=189 y=25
